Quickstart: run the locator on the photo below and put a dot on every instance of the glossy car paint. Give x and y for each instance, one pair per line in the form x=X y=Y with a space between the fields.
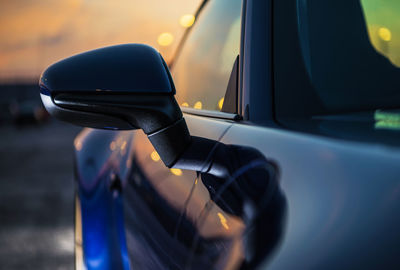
x=343 y=199
x=341 y=195
x=100 y=156
x=97 y=161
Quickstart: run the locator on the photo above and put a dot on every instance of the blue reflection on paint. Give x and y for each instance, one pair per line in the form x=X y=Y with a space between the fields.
x=44 y=91
x=104 y=244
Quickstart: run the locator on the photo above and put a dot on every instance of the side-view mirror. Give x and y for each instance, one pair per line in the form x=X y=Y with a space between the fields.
x=119 y=87
x=130 y=87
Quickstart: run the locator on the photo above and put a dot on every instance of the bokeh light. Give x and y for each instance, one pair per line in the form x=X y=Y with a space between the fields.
x=198 y=105
x=187 y=20
x=220 y=103
x=385 y=34
x=155 y=156
x=177 y=172
x=165 y=39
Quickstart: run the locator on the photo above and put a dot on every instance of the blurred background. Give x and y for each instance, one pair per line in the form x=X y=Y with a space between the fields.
x=36 y=157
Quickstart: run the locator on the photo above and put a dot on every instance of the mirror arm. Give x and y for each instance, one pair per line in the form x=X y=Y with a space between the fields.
x=205 y=156
x=171 y=142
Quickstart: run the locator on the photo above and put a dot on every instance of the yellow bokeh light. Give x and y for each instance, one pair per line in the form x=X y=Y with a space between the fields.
x=187 y=20
x=177 y=172
x=155 y=156
x=223 y=221
x=185 y=104
x=198 y=105
x=165 y=39
x=220 y=103
x=385 y=34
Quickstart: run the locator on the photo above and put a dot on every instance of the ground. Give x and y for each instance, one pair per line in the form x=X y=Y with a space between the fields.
x=37 y=196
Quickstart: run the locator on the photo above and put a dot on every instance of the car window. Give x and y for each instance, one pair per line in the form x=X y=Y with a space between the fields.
x=336 y=57
x=202 y=70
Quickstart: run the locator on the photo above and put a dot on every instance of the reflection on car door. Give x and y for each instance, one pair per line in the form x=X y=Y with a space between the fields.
x=230 y=216
x=156 y=200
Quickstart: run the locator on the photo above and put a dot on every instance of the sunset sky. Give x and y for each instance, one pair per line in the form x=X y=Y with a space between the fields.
x=36 y=33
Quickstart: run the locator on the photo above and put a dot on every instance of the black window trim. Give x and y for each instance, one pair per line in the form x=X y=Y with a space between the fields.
x=256 y=80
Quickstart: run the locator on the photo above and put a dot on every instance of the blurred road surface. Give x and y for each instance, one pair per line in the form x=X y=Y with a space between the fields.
x=36 y=196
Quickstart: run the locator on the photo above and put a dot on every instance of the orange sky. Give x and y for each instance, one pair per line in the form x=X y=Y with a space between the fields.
x=36 y=33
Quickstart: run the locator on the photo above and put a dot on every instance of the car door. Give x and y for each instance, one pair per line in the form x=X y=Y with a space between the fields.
x=338 y=169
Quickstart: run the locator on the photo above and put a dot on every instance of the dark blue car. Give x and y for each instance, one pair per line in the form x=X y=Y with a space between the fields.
x=272 y=144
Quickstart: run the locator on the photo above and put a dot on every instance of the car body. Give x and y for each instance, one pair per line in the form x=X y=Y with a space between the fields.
x=313 y=176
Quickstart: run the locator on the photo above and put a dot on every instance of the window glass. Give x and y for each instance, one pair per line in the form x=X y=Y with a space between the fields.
x=382 y=18
x=202 y=70
x=335 y=56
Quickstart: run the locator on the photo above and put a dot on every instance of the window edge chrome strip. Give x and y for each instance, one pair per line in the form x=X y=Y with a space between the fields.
x=212 y=114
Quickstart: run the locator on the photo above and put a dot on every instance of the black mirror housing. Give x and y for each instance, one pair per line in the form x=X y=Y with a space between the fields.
x=132 y=68
x=119 y=87
x=94 y=82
